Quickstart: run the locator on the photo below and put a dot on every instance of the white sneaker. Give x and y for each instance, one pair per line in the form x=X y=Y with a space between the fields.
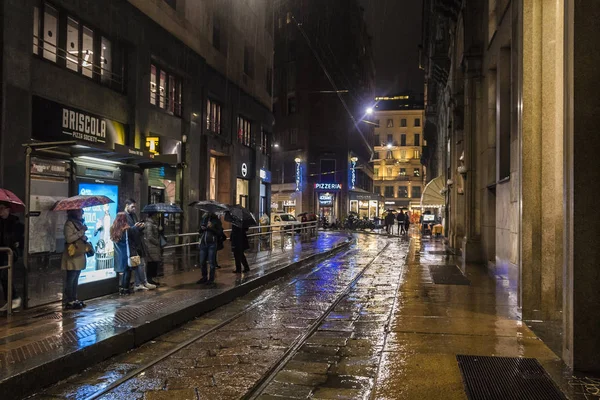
x=149 y=286
x=16 y=303
x=140 y=287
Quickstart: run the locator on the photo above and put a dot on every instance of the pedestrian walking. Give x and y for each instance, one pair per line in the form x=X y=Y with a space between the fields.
x=11 y=235
x=74 y=256
x=239 y=244
x=154 y=250
x=400 y=219
x=141 y=282
x=124 y=237
x=406 y=222
x=211 y=231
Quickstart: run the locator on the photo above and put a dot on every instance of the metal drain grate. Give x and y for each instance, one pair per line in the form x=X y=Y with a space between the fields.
x=447 y=275
x=506 y=378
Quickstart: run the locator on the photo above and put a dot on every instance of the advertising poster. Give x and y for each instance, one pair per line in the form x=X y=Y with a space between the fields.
x=98 y=220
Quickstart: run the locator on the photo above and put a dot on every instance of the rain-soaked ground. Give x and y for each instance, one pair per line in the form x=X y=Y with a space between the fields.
x=367 y=323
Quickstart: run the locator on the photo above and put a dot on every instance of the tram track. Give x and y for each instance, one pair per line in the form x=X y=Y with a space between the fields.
x=257 y=388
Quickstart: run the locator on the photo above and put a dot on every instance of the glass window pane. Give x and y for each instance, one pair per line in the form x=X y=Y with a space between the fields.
x=208 y=108
x=106 y=61
x=153 y=84
x=162 y=89
x=50 y=32
x=172 y=94
x=179 y=102
x=87 y=52
x=72 y=44
x=36 y=29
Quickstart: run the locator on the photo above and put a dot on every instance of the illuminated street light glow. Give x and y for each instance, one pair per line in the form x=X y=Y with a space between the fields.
x=370 y=110
x=389 y=146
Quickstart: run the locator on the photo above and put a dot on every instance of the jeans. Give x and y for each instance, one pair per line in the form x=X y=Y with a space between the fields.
x=208 y=252
x=240 y=259
x=140 y=274
x=71 y=286
x=125 y=278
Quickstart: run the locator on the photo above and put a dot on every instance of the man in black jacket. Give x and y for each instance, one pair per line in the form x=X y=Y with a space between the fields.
x=11 y=235
x=141 y=283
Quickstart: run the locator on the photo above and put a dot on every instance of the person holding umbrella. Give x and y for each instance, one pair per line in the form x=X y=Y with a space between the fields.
x=141 y=282
x=11 y=235
x=211 y=231
x=239 y=244
x=74 y=256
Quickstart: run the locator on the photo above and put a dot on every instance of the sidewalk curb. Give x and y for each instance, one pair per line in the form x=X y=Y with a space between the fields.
x=40 y=376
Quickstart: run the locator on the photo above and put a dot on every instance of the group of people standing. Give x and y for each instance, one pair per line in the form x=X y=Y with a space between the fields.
x=133 y=240
x=212 y=238
x=402 y=219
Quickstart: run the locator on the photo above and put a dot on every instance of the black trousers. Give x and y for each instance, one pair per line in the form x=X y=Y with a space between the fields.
x=240 y=259
x=125 y=279
x=152 y=269
x=4 y=280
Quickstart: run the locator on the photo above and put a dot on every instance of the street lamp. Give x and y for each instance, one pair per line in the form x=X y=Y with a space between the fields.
x=389 y=146
x=276 y=145
x=369 y=110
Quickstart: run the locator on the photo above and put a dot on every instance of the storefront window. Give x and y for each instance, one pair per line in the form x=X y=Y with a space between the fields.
x=354 y=206
x=213 y=179
x=372 y=208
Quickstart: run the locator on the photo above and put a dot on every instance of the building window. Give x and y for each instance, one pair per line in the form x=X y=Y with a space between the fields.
x=327 y=171
x=417 y=139
x=417 y=121
x=403 y=192
x=213 y=116
x=82 y=48
x=265 y=142
x=377 y=189
x=216 y=33
x=390 y=123
x=389 y=191
x=417 y=172
x=291 y=104
x=212 y=195
x=417 y=154
x=167 y=94
x=244 y=129
x=403 y=123
x=249 y=61
x=269 y=81
x=390 y=139
x=376 y=140
x=389 y=171
x=293 y=136
x=402 y=171
x=416 y=192
x=403 y=140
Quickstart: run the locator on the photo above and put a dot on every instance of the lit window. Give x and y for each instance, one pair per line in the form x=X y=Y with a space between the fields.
x=244 y=131
x=390 y=123
x=72 y=44
x=152 y=84
x=402 y=171
x=87 y=52
x=417 y=172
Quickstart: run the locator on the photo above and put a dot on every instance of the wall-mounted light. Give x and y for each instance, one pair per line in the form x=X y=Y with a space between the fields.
x=183 y=138
x=449 y=182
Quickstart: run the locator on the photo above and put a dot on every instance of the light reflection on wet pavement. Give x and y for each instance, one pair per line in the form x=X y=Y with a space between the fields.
x=395 y=335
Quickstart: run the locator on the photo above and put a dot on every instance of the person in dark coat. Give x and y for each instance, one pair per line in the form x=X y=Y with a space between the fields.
x=152 y=247
x=389 y=222
x=141 y=283
x=11 y=235
x=211 y=232
x=407 y=222
x=400 y=219
x=239 y=244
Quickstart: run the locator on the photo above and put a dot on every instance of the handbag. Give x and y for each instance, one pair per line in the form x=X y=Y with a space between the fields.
x=80 y=247
x=132 y=261
x=162 y=240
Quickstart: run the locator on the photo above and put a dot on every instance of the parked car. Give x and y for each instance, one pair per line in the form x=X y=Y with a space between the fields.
x=285 y=221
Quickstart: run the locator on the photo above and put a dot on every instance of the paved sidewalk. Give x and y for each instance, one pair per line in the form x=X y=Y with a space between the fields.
x=44 y=345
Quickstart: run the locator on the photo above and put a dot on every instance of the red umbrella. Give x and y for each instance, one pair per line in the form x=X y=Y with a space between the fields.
x=9 y=198
x=77 y=202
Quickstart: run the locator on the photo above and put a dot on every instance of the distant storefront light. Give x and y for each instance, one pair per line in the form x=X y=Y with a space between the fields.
x=328 y=186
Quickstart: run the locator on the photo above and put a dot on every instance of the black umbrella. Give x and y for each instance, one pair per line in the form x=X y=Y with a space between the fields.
x=210 y=206
x=390 y=211
x=162 y=208
x=240 y=216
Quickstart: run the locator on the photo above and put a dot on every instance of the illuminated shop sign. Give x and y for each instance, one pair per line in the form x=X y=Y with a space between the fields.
x=328 y=186
x=298 y=175
x=153 y=144
x=353 y=173
x=326 y=199
x=265 y=175
x=289 y=203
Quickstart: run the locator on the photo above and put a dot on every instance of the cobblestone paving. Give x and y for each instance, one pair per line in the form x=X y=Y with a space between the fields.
x=339 y=359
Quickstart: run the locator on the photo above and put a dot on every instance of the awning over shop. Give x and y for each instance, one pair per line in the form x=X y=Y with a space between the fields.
x=431 y=196
x=125 y=155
